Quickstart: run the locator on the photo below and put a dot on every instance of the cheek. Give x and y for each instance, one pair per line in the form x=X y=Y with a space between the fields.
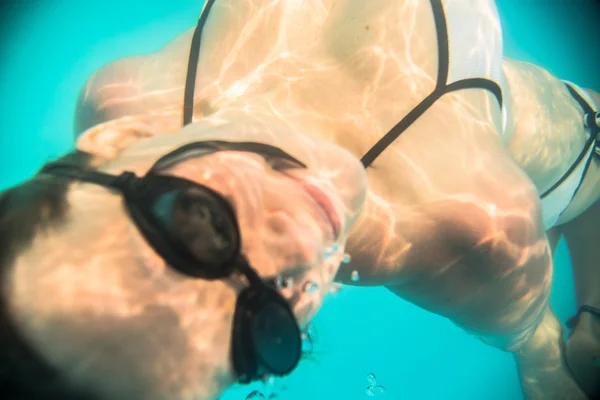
x=290 y=199
x=293 y=242
x=289 y=210
x=279 y=245
x=281 y=231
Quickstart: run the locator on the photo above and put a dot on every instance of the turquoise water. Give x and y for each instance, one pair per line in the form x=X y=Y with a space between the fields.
x=48 y=48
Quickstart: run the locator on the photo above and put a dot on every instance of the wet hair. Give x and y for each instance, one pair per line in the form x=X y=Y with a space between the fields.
x=25 y=211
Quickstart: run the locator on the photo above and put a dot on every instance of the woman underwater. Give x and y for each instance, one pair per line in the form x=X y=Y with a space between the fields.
x=388 y=130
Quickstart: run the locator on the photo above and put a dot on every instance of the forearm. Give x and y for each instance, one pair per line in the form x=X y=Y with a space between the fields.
x=541 y=362
x=544 y=346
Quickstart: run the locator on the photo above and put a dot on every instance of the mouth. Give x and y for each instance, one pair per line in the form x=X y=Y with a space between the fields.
x=324 y=202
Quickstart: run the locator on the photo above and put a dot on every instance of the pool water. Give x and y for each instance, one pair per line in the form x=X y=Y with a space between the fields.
x=362 y=338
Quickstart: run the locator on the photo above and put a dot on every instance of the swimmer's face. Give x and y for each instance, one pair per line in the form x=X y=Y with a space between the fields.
x=293 y=220
x=292 y=226
x=103 y=306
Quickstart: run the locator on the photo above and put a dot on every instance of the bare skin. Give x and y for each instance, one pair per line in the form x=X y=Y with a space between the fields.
x=547 y=135
x=450 y=221
x=103 y=307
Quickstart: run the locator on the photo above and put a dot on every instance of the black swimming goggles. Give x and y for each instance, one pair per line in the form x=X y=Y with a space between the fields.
x=195 y=230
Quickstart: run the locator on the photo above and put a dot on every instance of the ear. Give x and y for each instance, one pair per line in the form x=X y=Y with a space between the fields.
x=109 y=138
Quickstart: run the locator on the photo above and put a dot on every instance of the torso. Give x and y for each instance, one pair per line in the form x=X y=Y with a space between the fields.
x=346 y=71
x=349 y=72
x=352 y=87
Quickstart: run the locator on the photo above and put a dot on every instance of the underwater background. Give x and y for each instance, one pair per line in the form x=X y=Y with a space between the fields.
x=48 y=49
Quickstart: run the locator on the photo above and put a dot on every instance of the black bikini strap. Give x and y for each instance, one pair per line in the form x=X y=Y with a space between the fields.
x=478 y=83
x=591 y=141
x=587 y=108
x=590 y=115
x=588 y=144
x=190 y=80
x=441 y=29
x=572 y=322
x=441 y=88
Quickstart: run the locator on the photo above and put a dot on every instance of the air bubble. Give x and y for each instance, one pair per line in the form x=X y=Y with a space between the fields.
x=310 y=287
x=268 y=380
x=330 y=251
x=255 y=395
x=335 y=288
x=272 y=386
x=371 y=378
x=375 y=390
x=307 y=343
x=309 y=330
x=279 y=282
x=355 y=277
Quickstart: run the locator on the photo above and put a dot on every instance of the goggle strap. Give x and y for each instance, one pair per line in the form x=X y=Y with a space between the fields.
x=120 y=182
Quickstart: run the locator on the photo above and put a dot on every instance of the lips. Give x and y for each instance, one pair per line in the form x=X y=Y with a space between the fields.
x=324 y=201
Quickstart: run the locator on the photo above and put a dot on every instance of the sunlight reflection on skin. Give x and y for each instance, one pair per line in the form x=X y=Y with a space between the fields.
x=345 y=72
x=295 y=63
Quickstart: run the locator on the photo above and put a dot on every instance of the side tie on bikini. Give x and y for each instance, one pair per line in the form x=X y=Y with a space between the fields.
x=592 y=120
x=572 y=322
